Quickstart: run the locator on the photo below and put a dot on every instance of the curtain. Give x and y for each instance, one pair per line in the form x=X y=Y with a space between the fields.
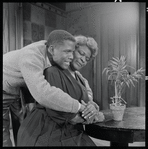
x=5 y=31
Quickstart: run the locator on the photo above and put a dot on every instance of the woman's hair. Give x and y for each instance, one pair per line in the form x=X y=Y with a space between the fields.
x=89 y=42
x=58 y=36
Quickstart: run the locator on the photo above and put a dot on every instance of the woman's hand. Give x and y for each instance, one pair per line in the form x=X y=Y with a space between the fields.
x=89 y=112
x=99 y=117
x=96 y=106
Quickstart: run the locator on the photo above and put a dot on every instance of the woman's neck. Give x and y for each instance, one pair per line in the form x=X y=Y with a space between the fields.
x=71 y=71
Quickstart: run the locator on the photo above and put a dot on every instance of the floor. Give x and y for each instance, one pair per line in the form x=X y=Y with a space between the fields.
x=107 y=143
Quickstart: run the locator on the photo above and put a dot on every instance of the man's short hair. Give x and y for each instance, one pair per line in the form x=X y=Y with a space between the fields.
x=58 y=36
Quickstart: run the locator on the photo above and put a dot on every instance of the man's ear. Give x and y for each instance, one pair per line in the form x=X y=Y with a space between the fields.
x=51 y=50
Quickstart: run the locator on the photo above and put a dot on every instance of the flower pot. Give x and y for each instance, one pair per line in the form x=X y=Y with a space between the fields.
x=117 y=111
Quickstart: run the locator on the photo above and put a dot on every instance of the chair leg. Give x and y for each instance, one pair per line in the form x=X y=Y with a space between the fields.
x=6 y=128
x=17 y=116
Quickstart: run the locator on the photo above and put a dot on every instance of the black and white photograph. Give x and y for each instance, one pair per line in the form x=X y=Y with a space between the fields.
x=74 y=74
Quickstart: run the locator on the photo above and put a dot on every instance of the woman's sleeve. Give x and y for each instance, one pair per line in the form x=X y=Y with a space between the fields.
x=89 y=91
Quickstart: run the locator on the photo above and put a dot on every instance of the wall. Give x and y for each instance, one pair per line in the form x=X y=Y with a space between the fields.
x=39 y=21
x=115 y=26
x=118 y=28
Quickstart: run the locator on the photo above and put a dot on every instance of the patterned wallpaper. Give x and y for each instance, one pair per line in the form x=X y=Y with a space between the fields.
x=38 y=22
x=83 y=21
x=80 y=5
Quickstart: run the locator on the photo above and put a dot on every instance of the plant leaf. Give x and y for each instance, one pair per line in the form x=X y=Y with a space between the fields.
x=113 y=62
x=131 y=82
x=123 y=67
x=104 y=70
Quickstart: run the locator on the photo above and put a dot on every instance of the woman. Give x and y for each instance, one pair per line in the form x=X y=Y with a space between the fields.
x=86 y=50
x=46 y=127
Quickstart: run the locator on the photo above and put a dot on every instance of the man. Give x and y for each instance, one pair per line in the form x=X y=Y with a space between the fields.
x=24 y=67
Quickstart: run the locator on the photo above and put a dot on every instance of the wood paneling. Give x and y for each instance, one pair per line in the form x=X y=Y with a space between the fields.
x=13 y=26
x=142 y=52
x=5 y=28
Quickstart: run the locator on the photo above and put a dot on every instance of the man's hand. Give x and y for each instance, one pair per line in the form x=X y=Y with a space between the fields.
x=82 y=107
x=77 y=119
x=90 y=112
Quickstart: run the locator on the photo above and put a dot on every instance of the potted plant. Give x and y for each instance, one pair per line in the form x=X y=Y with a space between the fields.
x=117 y=72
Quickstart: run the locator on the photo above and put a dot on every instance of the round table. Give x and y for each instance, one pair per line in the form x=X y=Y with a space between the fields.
x=120 y=133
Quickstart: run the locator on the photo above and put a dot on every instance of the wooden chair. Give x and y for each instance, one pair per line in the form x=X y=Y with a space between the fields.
x=27 y=104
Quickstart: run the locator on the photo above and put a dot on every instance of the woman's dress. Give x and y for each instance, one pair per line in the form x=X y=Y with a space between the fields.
x=47 y=127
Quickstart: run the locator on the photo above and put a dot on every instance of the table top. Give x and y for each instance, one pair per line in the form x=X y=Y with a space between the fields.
x=130 y=129
x=133 y=119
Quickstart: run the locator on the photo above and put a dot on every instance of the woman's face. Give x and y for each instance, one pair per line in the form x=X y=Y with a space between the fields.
x=81 y=56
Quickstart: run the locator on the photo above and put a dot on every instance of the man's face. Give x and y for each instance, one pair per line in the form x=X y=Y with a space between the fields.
x=63 y=53
x=81 y=57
